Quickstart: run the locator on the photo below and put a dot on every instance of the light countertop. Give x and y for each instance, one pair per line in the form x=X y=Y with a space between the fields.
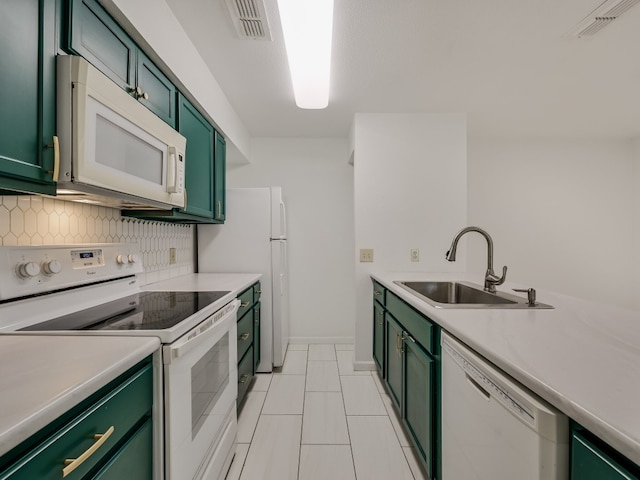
x=42 y=377
x=582 y=357
x=198 y=282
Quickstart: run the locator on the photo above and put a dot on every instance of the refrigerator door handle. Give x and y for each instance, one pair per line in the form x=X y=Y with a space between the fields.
x=283 y=220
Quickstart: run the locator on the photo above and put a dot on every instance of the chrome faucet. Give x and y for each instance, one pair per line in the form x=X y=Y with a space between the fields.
x=490 y=278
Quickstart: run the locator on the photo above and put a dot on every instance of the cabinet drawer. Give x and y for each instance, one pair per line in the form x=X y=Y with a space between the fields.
x=246 y=301
x=245 y=334
x=134 y=459
x=419 y=326
x=256 y=292
x=379 y=293
x=590 y=462
x=121 y=409
x=245 y=373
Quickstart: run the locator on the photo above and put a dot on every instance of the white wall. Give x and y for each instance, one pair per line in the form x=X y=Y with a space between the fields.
x=410 y=191
x=636 y=220
x=561 y=214
x=318 y=186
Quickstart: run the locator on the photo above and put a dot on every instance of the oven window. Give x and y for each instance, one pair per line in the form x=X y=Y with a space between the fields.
x=209 y=378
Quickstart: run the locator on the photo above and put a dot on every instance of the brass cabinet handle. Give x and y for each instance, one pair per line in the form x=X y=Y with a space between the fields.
x=55 y=173
x=244 y=336
x=245 y=304
x=376 y=293
x=73 y=463
x=219 y=209
x=243 y=378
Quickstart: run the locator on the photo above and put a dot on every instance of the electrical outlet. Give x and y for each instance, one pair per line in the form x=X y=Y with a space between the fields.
x=415 y=255
x=172 y=256
x=366 y=254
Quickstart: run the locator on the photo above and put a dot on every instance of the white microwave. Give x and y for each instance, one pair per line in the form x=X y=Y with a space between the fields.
x=112 y=150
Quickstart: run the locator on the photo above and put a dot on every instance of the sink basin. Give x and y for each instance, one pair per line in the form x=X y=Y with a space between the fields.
x=464 y=295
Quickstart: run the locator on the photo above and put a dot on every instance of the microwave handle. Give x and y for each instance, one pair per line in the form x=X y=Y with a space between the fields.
x=173 y=171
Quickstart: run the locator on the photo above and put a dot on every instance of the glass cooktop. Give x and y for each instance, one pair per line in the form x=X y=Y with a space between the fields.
x=142 y=311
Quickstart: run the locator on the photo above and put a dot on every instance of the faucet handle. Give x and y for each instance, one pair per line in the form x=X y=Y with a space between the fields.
x=495 y=280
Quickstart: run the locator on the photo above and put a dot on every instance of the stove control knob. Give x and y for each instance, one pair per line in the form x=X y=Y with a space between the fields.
x=120 y=260
x=28 y=270
x=133 y=258
x=52 y=267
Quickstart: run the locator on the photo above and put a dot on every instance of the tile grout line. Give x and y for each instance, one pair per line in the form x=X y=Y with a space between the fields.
x=346 y=419
x=304 y=401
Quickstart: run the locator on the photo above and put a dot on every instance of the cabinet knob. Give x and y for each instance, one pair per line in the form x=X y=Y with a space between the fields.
x=244 y=336
x=145 y=95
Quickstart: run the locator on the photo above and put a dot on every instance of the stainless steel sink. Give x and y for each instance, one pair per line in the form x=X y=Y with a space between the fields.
x=464 y=295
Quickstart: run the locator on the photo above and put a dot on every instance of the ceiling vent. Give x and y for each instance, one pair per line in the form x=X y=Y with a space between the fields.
x=601 y=17
x=249 y=18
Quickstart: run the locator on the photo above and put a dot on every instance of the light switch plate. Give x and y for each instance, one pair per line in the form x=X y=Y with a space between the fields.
x=172 y=256
x=366 y=254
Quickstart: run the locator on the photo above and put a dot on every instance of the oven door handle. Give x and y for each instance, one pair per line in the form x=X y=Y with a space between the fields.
x=199 y=334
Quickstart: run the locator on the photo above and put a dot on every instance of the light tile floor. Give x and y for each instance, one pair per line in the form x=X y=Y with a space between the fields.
x=318 y=419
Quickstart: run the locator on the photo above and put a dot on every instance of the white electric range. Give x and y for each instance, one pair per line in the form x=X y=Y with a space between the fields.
x=93 y=290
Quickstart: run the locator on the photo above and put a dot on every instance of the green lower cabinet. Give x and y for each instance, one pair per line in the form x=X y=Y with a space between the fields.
x=406 y=351
x=591 y=459
x=28 y=39
x=378 y=336
x=393 y=356
x=245 y=375
x=256 y=335
x=134 y=459
x=418 y=393
x=115 y=420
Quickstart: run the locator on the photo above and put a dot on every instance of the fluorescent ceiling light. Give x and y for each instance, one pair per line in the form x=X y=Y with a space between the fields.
x=307 y=26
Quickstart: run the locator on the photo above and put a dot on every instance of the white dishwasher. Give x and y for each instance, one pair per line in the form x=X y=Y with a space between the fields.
x=492 y=427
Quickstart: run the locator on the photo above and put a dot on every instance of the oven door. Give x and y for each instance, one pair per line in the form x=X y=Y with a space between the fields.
x=201 y=377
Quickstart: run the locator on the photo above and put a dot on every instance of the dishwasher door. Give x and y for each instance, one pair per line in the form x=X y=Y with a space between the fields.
x=492 y=427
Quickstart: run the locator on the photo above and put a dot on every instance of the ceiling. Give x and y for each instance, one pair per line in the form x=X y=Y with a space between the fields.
x=508 y=64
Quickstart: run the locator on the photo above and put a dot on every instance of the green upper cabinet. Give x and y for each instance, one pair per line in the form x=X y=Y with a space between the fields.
x=219 y=182
x=95 y=35
x=27 y=118
x=200 y=158
x=155 y=91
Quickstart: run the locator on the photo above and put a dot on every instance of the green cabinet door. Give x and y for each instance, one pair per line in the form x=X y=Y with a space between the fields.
x=199 y=173
x=418 y=394
x=199 y=158
x=393 y=356
x=134 y=459
x=256 y=335
x=589 y=461
x=155 y=91
x=378 y=336
x=98 y=38
x=27 y=83
x=219 y=175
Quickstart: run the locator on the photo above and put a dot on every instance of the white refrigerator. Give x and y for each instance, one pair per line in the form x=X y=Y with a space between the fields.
x=253 y=239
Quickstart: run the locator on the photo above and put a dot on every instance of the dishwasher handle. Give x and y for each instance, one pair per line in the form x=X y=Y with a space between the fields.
x=485 y=394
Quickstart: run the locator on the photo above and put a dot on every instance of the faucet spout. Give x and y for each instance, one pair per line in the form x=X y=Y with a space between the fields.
x=490 y=278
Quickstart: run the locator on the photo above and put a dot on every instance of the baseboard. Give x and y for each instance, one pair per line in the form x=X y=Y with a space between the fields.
x=317 y=340
x=364 y=366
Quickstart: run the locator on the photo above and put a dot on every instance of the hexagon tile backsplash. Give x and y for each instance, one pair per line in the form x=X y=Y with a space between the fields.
x=34 y=220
